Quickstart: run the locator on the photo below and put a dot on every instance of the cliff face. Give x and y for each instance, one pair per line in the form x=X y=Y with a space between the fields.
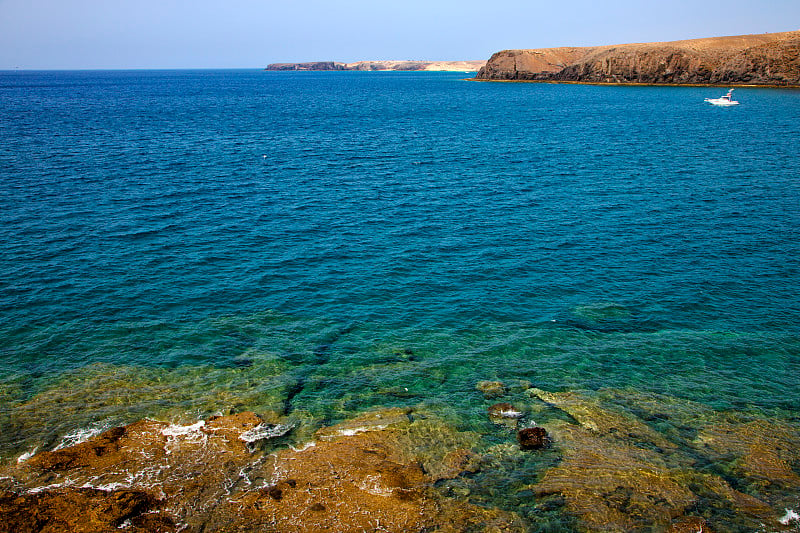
x=314 y=65
x=465 y=66
x=765 y=59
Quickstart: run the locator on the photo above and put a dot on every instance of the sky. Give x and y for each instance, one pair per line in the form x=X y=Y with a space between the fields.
x=158 y=34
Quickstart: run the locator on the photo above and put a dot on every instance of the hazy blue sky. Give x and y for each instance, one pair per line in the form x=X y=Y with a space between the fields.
x=45 y=34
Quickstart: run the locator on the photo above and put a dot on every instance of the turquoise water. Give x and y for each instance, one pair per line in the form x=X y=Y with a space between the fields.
x=177 y=243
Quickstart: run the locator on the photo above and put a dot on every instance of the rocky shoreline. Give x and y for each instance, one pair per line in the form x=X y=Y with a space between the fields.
x=771 y=59
x=595 y=461
x=431 y=66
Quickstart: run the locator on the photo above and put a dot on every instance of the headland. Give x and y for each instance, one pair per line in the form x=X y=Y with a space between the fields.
x=431 y=66
x=769 y=59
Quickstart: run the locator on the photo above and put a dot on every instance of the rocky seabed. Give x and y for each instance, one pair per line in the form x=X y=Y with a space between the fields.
x=606 y=460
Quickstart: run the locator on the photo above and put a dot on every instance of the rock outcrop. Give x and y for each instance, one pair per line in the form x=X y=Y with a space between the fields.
x=376 y=472
x=607 y=460
x=765 y=59
x=451 y=66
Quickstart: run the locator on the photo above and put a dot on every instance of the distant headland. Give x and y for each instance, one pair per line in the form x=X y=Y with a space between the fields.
x=444 y=66
x=770 y=59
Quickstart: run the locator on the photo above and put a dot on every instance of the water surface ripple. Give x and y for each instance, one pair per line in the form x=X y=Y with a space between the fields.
x=310 y=227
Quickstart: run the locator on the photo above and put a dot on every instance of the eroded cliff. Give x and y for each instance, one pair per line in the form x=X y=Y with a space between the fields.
x=764 y=59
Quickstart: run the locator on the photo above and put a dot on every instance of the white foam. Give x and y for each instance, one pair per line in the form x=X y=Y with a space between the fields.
x=80 y=435
x=27 y=455
x=108 y=487
x=265 y=431
x=304 y=447
x=373 y=485
x=355 y=431
x=36 y=490
x=177 y=431
x=790 y=516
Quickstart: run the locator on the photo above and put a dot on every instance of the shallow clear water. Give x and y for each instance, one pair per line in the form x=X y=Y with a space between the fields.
x=177 y=243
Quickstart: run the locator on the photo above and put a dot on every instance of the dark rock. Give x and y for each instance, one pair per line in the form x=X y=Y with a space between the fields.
x=532 y=438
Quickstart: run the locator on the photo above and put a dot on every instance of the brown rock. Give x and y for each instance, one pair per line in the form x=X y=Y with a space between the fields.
x=761 y=59
x=763 y=452
x=359 y=476
x=80 y=455
x=603 y=419
x=457 y=462
x=689 y=524
x=81 y=510
x=532 y=438
x=375 y=472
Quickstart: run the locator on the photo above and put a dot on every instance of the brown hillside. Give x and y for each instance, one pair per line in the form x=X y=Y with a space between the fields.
x=764 y=59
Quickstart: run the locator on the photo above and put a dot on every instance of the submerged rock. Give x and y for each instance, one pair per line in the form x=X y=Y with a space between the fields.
x=491 y=389
x=618 y=473
x=590 y=414
x=613 y=486
x=690 y=524
x=759 y=451
x=505 y=414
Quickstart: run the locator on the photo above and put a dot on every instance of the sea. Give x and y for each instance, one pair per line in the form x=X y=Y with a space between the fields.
x=180 y=243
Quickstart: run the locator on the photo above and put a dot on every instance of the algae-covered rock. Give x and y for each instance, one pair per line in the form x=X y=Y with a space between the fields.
x=617 y=472
x=689 y=524
x=491 y=389
x=592 y=415
x=119 y=395
x=613 y=486
x=760 y=451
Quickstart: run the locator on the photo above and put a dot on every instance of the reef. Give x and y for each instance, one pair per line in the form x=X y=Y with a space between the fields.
x=375 y=472
x=771 y=59
x=607 y=460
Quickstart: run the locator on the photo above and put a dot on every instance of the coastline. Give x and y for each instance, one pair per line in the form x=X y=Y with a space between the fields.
x=297 y=252
x=634 y=84
x=611 y=459
x=757 y=59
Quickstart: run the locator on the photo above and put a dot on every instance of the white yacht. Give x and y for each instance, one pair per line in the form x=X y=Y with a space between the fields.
x=725 y=100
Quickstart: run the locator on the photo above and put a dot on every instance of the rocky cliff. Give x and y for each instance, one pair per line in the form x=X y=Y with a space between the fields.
x=765 y=59
x=453 y=66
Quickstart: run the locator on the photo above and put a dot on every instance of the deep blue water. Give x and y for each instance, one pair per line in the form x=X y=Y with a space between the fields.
x=575 y=236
